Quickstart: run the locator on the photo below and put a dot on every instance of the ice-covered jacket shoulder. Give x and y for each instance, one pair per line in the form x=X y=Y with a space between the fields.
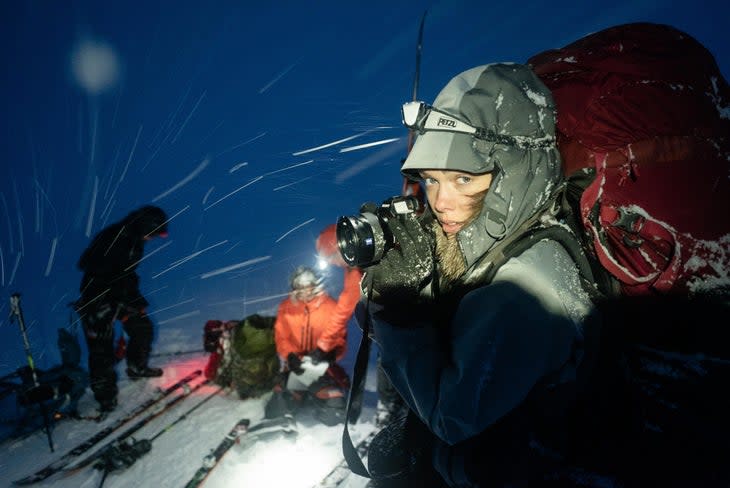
x=504 y=338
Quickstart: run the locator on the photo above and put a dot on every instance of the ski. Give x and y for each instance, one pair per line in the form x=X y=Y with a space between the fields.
x=241 y=430
x=159 y=410
x=177 y=353
x=341 y=471
x=61 y=463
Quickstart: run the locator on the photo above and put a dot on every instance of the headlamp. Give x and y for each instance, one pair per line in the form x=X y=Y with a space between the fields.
x=422 y=117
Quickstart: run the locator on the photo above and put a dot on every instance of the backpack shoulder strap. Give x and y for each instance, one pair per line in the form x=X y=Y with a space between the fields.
x=557 y=222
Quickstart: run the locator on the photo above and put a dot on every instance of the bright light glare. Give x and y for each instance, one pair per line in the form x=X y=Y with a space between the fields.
x=297 y=463
x=322 y=263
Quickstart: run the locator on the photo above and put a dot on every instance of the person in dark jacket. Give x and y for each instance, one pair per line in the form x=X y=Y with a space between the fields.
x=110 y=292
x=467 y=347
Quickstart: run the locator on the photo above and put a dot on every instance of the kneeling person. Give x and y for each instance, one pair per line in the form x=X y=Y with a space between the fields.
x=309 y=342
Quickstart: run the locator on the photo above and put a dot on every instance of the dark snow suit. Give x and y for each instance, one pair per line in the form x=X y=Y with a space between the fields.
x=110 y=292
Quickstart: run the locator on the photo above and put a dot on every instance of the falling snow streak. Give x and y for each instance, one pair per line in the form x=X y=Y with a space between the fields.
x=90 y=220
x=58 y=302
x=188 y=258
x=188 y=118
x=94 y=128
x=185 y=180
x=234 y=266
x=171 y=118
x=205 y=198
x=290 y=184
x=228 y=302
x=288 y=168
x=231 y=248
x=93 y=299
x=106 y=212
x=233 y=192
x=51 y=256
x=147 y=255
x=131 y=154
x=370 y=144
x=164 y=140
x=168 y=220
x=179 y=317
x=21 y=240
x=325 y=146
x=265 y=299
x=111 y=172
x=115 y=240
x=37 y=212
x=156 y=290
x=277 y=78
x=50 y=204
x=171 y=306
x=295 y=228
x=10 y=225
x=237 y=167
x=241 y=144
x=372 y=160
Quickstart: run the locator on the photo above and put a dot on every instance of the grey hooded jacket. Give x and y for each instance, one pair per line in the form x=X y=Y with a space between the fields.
x=506 y=335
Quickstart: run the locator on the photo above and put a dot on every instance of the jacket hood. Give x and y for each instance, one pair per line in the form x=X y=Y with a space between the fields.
x=147 y=221
x=517 y=112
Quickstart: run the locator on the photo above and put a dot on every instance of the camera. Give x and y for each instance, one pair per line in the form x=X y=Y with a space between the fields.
x=364 y=239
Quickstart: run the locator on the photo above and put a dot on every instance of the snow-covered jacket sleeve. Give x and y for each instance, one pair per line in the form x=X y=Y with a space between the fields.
x=331 y=338
x=503 y=339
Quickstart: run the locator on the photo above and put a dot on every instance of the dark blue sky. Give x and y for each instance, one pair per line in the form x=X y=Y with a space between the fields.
x=206 y=109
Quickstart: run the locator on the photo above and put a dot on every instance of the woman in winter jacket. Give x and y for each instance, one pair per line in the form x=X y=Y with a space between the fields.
x=311 y=328
x=470 y=331
x=305 y=322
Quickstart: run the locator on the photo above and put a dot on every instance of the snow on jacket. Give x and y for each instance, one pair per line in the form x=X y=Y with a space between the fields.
x=302 y=326
x=504 y=338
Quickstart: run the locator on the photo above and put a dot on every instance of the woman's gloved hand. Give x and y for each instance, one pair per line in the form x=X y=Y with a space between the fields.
x=400 y=276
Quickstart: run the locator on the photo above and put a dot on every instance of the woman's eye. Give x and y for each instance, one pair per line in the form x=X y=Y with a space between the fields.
x=429 y=181
x=463 y=180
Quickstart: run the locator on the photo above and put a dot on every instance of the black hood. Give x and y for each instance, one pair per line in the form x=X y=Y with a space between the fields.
x=147 y=221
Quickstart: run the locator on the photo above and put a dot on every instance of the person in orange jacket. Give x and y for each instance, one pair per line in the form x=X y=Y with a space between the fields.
x=311 y=335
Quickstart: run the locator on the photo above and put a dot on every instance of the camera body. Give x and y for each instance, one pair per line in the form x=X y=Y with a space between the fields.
x=365 y=238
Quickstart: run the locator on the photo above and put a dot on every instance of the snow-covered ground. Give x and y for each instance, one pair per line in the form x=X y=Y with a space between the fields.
x=178 y=452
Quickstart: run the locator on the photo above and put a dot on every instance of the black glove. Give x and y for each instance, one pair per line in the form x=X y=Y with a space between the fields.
x=401 y=274
x=318 y=355
x=294 y=363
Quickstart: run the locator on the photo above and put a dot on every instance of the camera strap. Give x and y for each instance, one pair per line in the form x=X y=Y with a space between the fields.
x=355 y=398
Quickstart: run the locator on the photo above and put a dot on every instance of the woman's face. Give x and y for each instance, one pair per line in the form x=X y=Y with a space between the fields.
x=305 y=294
x=455 y=197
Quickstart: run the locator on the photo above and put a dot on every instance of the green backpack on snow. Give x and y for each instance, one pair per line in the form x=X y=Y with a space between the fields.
x=250 y=364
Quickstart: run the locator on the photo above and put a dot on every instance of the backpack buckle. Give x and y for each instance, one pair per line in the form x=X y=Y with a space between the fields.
x=632 y=224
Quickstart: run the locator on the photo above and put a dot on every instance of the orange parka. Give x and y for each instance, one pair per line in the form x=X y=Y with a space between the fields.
x=322 y=322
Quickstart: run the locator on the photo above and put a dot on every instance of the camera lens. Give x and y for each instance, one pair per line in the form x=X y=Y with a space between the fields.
x=360 y=239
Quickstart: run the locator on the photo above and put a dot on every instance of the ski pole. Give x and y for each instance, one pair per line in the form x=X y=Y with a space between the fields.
x=16 y=310
x=176 y=353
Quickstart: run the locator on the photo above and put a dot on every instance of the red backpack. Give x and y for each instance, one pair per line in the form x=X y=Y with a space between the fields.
x=644 y=112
